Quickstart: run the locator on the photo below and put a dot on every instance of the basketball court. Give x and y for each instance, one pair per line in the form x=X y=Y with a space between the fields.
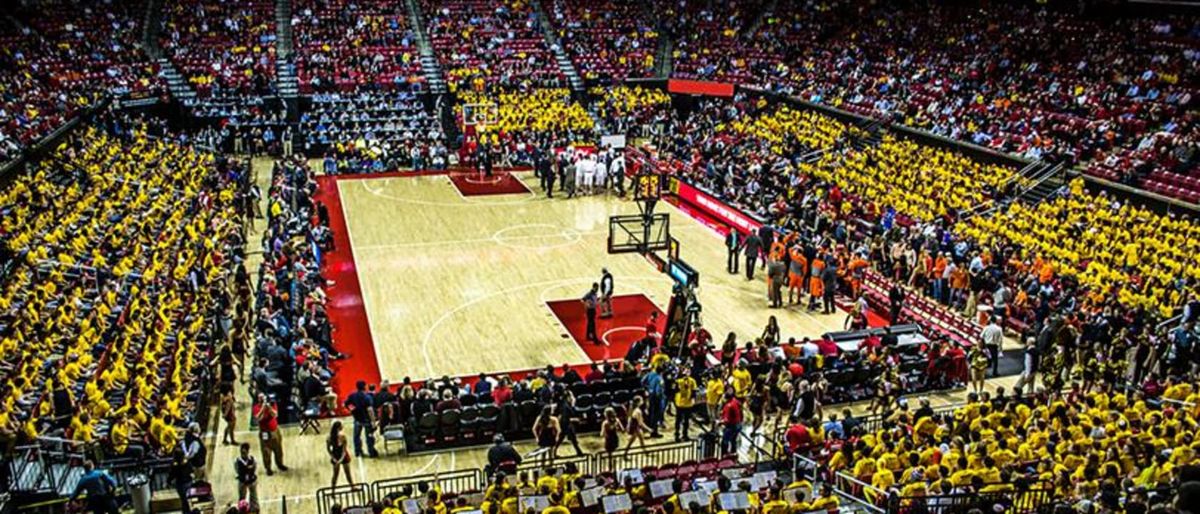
x=459 y=278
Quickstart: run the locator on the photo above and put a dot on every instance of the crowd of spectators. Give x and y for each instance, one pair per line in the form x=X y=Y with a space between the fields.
x=529 y=117
x=123 y=251
x=1102 y=451
x=88 y=45
x=293 y=338
x=387 y=130
x=355 y=46
x=489 y=45
x=608 y=40
x=222 y=47
x=60 y=57
x=1034 y=82
x=634 y=111
x=711 y=40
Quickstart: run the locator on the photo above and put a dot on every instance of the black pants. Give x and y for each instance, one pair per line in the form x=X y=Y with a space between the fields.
x=102 y=505
x=569 y=435
x=591 y=324
x=683 y=422
x=549 y=186
x=829 y=305
x=750 y=260
x=732 y=262
x=994 y=353
x=182 y=489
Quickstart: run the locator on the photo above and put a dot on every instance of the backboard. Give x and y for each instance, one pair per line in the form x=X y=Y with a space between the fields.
x=636 y=233
x=480 y=114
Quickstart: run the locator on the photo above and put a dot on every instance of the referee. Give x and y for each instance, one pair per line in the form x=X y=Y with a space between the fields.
x=589 y=304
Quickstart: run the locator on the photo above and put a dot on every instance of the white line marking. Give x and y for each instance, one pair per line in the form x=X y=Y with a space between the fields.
x=626 y=328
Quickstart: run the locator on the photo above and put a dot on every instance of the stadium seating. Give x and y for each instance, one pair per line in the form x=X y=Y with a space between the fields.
x=91 y=45
x=353 y=46
x=1128 y=252
x=123 y=279
x=394 y=129
x=608 y=40
x=222 y=46
x=484 y=44
x=523 y=116
x=708 y=39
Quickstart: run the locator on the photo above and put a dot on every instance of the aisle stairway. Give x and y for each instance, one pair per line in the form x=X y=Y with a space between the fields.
x=664 y=54
x=287 y=84
x=1047 y=180
x=176 y=82
x=560 y=54
x=429 y=62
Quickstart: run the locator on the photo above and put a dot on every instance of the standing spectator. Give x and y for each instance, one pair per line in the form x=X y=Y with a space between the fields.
x=567 y=413
x=269 y=438
x=181 y=477
x=656 y=400
x=360 y=403
x=751 y=249
x=733 y=243
x=100 y=488
x=731 y=420
x=685 y=398
x=194 y=450
x=992 y=337
x=246 y=471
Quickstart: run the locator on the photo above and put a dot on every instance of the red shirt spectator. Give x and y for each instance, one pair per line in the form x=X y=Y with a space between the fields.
x=795 y=369
x=797 y=437
x=827 y=347
x=731 y=413
x=502 y=394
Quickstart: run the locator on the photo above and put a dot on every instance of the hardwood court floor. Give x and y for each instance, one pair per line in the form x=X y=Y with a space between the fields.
x=457 y=285
x=305 y=454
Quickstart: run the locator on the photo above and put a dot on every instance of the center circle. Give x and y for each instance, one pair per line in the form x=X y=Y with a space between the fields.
x=536 y=236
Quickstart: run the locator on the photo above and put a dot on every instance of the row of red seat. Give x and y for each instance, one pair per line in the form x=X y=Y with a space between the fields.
x=607 y=40
x=343 y=45
x=483 y=43
x=222 y=46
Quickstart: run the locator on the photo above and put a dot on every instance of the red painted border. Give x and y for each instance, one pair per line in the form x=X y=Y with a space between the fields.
x=344 y=305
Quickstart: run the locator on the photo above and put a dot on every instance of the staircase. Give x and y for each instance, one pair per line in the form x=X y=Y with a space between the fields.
x=871 y=136
x=758 y=20
x=663 y=55
x=1047 y=180
x=429 y=62
x=151 y=28
x=286 y=82
x=560 y=54
x=176 y=82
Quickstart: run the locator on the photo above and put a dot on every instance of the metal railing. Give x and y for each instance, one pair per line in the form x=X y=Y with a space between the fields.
x=583 y=463
x=651 y=455
x=453 y=481
x=356 y=495
x=1021 y=501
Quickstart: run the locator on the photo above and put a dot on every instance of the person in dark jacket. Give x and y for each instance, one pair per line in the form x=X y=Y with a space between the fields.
x=751 y=248
x=502 y=457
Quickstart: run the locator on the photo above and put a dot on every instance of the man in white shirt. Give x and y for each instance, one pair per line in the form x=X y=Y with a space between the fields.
x=992 y=337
